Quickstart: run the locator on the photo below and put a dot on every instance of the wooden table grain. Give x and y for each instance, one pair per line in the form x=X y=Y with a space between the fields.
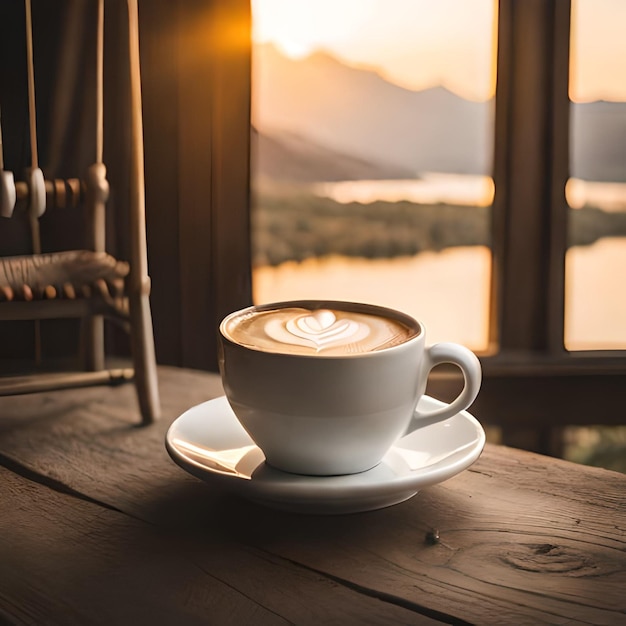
x=99 y=526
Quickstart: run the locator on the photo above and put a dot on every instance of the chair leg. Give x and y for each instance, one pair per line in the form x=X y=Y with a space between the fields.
x=142 y=341
x=93 y=343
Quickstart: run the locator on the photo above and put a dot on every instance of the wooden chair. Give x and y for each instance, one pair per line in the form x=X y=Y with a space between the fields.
x=89 y=283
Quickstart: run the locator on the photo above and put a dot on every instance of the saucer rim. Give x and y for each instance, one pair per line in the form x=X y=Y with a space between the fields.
x=309 y=490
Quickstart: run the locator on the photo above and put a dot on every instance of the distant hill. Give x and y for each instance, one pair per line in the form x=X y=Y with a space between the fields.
x=598 y=143
x=356 y=112
x=286 y=157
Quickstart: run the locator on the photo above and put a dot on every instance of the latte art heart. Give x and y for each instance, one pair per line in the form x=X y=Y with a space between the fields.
x=322 y=332
x=322 y=328
x=317 y=321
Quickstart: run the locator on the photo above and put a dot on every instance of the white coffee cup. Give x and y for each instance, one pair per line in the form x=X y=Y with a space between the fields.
x=316 y=397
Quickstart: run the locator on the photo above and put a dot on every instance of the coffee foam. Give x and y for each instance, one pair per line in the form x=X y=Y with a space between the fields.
x=325 y=332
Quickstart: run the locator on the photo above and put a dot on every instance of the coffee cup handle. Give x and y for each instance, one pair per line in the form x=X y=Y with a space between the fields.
x=468 y=363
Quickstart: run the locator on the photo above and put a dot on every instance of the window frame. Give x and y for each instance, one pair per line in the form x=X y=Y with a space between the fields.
x=552 y=387
x=532 y=386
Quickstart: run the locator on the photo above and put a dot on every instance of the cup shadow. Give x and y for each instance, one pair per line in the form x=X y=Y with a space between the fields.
x=199 y=511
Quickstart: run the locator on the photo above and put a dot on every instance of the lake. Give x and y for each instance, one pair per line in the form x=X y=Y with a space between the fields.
x=464 y=189
x=453 y=304
x=449 y=290
x=431 y=187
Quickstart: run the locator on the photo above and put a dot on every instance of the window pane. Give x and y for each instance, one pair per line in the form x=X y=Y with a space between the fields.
x=595 y=298
x=372 y=149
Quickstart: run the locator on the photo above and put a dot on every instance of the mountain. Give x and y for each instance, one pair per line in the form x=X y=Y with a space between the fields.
x=357 y=112
x=598 y=141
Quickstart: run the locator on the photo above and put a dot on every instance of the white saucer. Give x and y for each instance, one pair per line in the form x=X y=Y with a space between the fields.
x=209 y=442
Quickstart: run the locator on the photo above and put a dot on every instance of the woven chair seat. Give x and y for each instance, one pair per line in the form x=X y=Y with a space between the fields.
x=70 y=274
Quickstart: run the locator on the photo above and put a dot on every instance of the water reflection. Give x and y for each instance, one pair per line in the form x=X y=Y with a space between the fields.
x=448 y=290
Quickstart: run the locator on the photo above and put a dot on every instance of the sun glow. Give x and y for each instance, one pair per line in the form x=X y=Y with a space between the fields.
x=300 y=28
x=598 y=50
x=395 y=37
x=420 y=43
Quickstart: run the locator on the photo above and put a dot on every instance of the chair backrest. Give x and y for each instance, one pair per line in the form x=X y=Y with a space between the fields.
x=35 y=197
x=84 y=282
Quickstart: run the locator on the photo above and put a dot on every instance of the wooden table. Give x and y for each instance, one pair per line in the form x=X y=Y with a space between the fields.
x=99 y=526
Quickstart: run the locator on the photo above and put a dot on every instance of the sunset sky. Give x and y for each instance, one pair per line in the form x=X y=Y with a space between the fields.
x=422 y=43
